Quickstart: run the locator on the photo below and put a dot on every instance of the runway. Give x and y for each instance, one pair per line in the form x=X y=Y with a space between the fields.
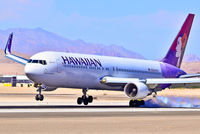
x=50 y=107
x=60 y=118
x=109 y=113
x=92 y=110
x=89 y=109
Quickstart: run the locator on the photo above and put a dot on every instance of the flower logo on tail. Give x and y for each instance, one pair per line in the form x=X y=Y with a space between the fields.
x=181 y=42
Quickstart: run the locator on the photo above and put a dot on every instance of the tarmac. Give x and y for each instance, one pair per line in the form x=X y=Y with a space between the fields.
x=96 y=118
x=109 y=113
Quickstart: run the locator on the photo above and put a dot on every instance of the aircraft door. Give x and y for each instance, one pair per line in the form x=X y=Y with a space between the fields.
x=59 y=66
x=51 y=67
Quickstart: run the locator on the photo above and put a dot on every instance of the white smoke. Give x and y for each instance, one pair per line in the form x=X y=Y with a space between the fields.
x=172 y=101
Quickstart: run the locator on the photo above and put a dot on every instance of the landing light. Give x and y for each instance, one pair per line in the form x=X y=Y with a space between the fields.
x=103 y=81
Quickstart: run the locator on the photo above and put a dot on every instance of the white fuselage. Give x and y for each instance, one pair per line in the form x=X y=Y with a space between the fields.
x=85 y=71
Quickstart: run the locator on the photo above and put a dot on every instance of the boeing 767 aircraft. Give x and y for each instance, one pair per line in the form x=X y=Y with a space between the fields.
x=136 y=78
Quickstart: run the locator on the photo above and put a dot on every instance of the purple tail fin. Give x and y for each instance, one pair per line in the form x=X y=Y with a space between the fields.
x=176 y=51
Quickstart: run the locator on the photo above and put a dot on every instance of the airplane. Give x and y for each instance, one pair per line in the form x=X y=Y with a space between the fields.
x=137 y=78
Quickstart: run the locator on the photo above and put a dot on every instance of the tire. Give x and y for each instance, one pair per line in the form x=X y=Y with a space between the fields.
x=41 y=97
x=137 y=103
x=37 y=98
x=90 y=99
x=134 y=103
x=142 y=102
x=131 y=103
x=85 y=101
x=79 y=100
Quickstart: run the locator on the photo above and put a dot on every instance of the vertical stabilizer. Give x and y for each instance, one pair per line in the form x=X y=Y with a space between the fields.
x=177 y=49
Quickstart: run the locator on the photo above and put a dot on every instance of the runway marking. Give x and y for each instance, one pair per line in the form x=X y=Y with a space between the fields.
x=78 y=110
x=51 y=107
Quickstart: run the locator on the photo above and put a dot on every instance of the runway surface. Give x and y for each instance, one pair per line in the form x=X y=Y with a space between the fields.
x=96 y=118
x=109 y=113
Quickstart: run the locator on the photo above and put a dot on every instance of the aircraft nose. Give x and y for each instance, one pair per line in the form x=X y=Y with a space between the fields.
x=32 y=72
x=29 y=70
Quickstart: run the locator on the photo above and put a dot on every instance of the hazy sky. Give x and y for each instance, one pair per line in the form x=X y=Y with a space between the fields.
x=144 y=26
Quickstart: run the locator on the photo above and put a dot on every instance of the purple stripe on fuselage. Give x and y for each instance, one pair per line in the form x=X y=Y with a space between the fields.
x=170 y=71
x=171 y=58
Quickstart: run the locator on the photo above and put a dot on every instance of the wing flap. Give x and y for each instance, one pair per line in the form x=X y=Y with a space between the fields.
x=190 y=75
x=173 y=81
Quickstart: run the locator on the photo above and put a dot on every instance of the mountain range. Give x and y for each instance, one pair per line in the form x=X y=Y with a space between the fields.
x=191 y=58
x=31 y=41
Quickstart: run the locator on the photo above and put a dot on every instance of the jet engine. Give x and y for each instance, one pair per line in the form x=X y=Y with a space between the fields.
x=136 y=90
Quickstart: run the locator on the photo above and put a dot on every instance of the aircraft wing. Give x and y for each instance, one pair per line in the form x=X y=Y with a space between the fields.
x=150 y=81
x=11 y=56
x=190 y=75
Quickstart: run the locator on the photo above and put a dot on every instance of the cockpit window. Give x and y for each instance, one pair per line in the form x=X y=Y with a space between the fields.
x=43 y=62
x=35 y=61
x=29 y=61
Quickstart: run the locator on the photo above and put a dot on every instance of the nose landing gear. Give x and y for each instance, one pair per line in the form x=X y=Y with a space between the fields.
x=84 y=99
x=136 y=103
x=39 y=96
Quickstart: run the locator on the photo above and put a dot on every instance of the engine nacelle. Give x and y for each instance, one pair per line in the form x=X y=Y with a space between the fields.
x=136 y=90
x=46 y=88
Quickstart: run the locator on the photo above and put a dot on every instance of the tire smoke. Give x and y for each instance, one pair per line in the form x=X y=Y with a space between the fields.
x=172 y=101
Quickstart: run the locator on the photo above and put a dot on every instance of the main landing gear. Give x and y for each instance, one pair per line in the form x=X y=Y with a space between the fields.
x=136 y=103
x=39 y=96
x=85 y=99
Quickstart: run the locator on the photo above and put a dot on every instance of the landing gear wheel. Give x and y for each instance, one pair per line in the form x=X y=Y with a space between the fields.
x=134 y=103
x=79 y=100
x=85 y=101
x=142 y=102
x=41 y=97
x=90 y=99
x=37 y=98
